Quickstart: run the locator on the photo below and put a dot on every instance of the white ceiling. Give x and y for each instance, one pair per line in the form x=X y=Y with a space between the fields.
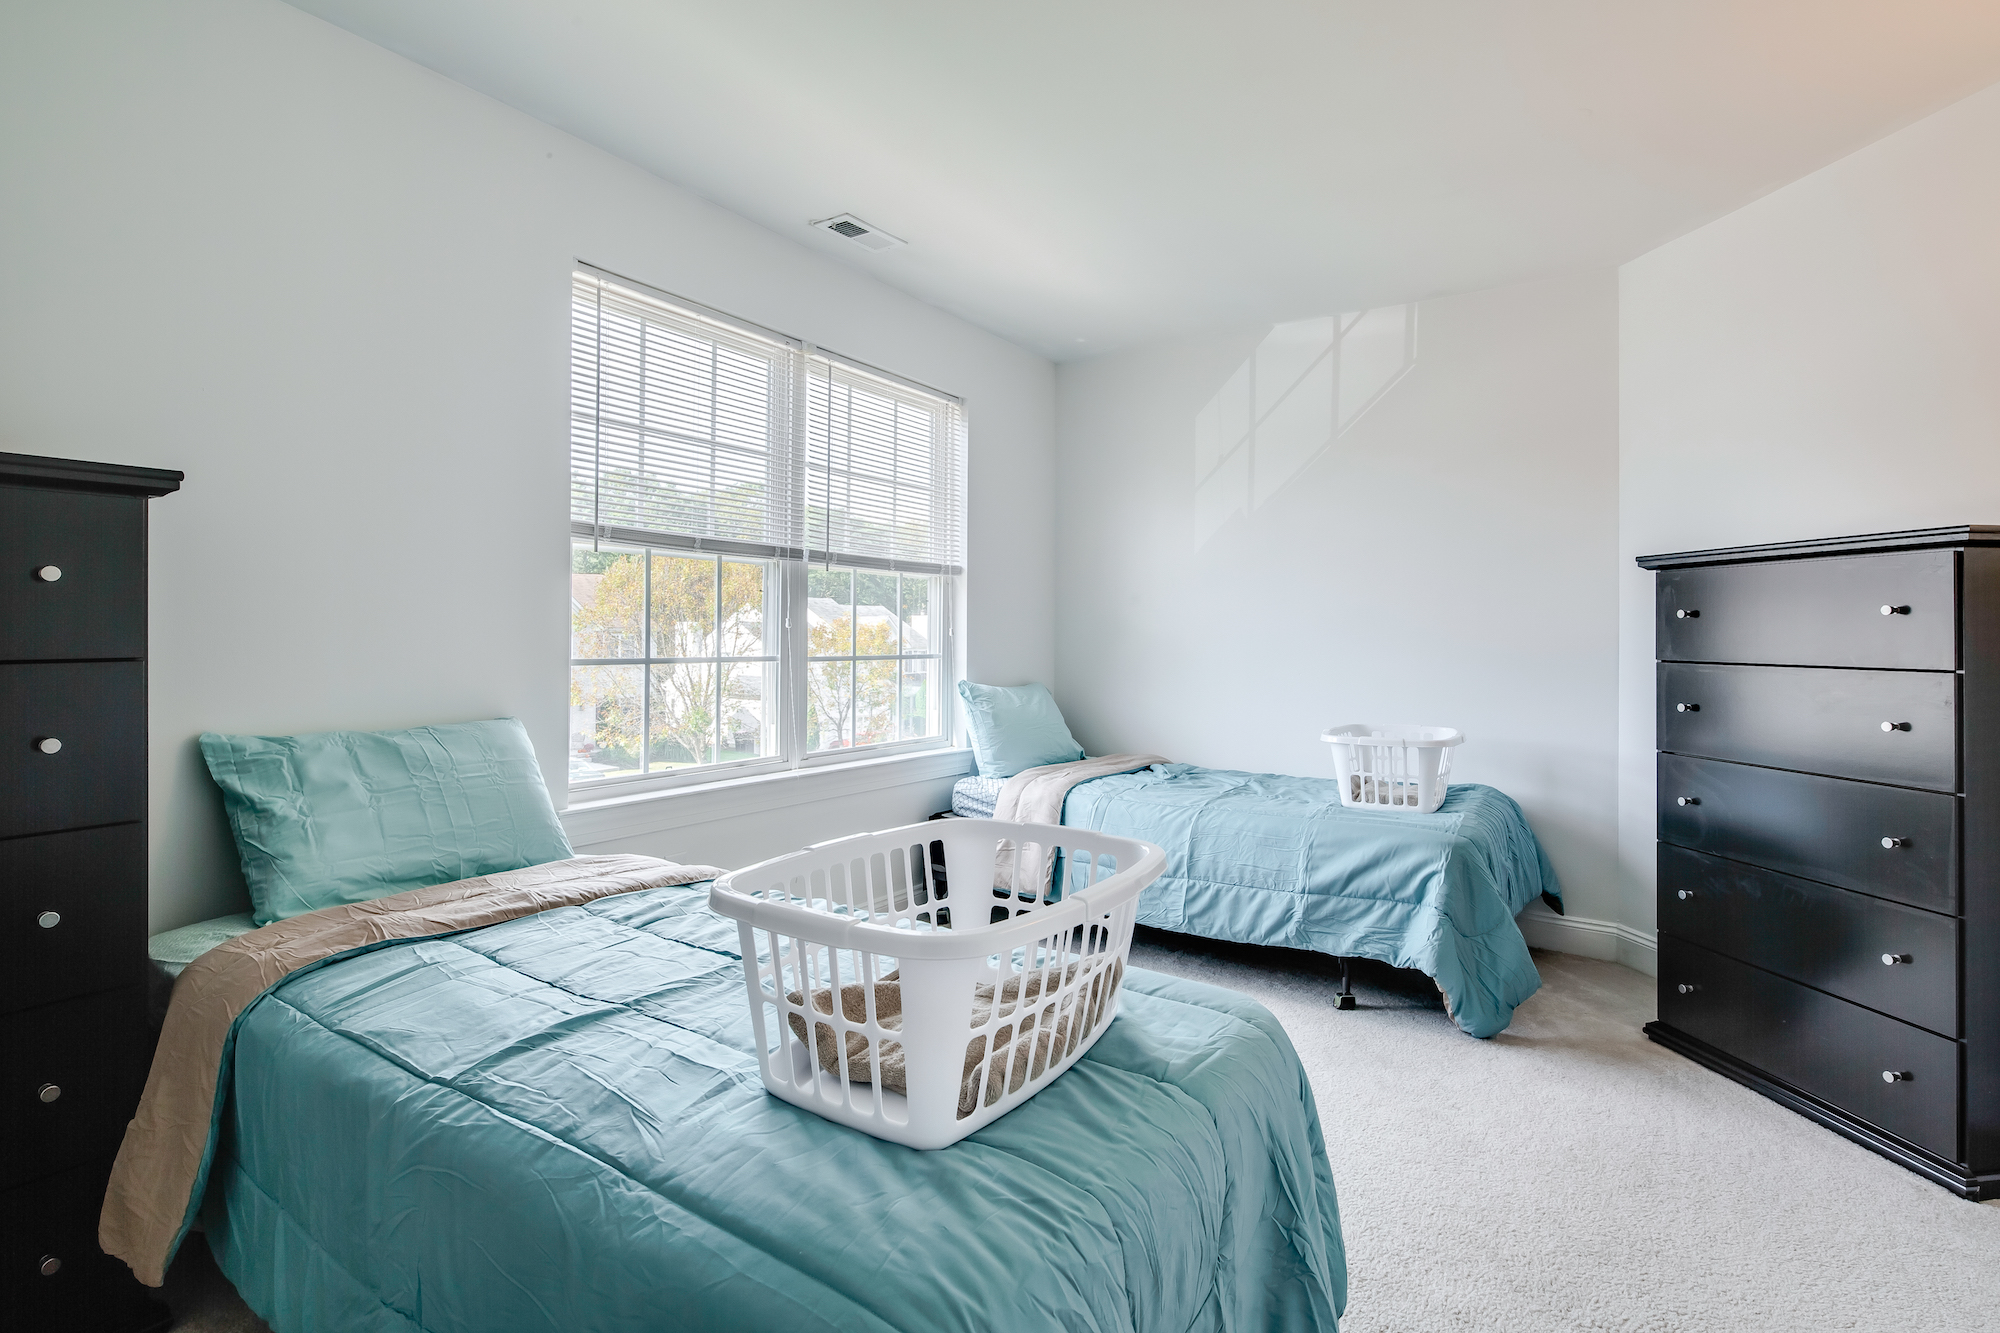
x=1081 y=175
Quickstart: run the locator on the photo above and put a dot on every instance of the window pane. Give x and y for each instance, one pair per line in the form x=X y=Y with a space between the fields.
x=683 y=716
x=743 y=610
x=917 y=614
x=829 y=612
x=683 y=607
x=604 y=722
x=606 y=603
x=922 y=711
x=829 y=706
x=749 y=710
x=875 y=702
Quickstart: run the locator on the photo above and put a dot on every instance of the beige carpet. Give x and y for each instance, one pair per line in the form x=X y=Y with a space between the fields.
x=1571 y=1175
x=1567 y=1175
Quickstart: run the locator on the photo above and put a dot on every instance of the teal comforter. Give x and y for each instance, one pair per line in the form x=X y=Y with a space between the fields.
x=1265 y=859
x=555 y=1123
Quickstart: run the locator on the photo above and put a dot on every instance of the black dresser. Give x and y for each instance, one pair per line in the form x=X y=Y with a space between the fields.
x=1829 y=834
x=72 y=879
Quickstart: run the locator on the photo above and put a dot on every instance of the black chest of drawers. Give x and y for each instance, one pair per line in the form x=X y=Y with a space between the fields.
x=1829 y=834
x=72 y=879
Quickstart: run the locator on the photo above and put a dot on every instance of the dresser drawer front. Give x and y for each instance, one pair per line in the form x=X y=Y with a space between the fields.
x=97 y=710
x=56 y=1217
x=97 y=607
x=1816 y=720
x=88 y=1052
x=1825 y=1047
x=1826 y=829
x=1825 y=612
x=1831 y=939
x=93 y=883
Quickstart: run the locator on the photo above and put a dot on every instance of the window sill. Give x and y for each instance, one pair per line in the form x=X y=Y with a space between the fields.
x=610 y=818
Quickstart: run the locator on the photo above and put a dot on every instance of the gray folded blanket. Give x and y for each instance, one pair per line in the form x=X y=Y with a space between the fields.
x=1031 y=1046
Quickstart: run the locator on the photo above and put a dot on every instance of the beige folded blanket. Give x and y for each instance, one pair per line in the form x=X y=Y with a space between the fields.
x=160 y=1162
x=1031 y=1057
x=1036 y=796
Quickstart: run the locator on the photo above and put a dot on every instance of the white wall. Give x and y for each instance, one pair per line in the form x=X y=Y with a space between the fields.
x=332 y=287
x=1825 y=361
x=1422 y=529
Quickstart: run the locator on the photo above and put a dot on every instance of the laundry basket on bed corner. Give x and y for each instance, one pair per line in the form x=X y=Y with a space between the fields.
x=1392 y=766
x=960 y=962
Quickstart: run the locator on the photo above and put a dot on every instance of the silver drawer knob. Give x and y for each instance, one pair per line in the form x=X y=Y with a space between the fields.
x=50 y=1265
x=1687 y=708
x=48 y=744
x=48 y=573
x=1897 y=1076
x=1687 y=615
x=1895 y=610
x=1893 y=843
x=49 y=920
x=1891 y=959
x=1895 y=726
x=1687 y=988
x=1687 y=800
x=1686 y=894
x=48 y=1092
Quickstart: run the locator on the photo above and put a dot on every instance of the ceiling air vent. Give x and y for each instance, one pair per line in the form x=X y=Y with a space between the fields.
x=861 y=233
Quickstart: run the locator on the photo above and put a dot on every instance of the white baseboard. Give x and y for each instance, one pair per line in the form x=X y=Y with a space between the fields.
x=1612 y=941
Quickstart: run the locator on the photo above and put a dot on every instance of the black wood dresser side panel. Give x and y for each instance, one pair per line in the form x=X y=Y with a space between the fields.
x=1980 y=950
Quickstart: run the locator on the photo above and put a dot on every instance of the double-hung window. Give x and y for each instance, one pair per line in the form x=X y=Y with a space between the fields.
x=766 y=546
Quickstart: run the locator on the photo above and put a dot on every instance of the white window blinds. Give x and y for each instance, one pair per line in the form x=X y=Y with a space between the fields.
x=680 y=425
x=690 y=429
x=884 y=472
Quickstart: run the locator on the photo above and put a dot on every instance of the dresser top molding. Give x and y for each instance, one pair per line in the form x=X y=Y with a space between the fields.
x=72 y=474
x=1917 y=539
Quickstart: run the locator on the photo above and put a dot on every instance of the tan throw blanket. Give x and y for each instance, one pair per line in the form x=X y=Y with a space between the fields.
x=1030 y=1057
x=1036 y=796
x=166 y=1147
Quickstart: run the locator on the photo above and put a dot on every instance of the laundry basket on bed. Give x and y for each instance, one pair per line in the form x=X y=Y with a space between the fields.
x=973 y=963
x=1392 y=766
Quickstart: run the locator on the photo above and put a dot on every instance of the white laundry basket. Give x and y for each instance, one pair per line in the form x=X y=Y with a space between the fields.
x=911 y=916
x=1387 y=766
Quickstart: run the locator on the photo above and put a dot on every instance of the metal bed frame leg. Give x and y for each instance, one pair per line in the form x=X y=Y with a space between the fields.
x=1346 y=1000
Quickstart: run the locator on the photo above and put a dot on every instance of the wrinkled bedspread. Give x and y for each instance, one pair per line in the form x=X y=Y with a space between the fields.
x=1265 y=859
x=555 y=1123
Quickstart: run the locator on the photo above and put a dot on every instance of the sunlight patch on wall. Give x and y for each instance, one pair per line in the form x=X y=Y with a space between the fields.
x=1303 y=388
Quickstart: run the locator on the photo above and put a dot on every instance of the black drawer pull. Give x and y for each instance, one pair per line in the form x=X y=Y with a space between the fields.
x=1891 y=959
x=1895 y=610
x=1895 y=726
x=1898 y=1076
x=1687 y=708
x=48 y=744
x=49 y=920
x=1687 y=800
x=1686 y=894
x=1893 y=843
x=48 y=1092
x=1687 y=615
x=50 y=1265
x=48 y=573
x=1687 y=988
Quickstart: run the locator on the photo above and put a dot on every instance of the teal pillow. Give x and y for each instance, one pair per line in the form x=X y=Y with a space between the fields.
x=1015 y=727
x=345 y=816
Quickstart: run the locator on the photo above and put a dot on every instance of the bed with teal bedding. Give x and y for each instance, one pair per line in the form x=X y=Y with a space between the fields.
x=1261 y=858
x=555 y=1123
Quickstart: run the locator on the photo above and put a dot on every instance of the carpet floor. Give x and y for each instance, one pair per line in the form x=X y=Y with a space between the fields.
x=1566 y=1175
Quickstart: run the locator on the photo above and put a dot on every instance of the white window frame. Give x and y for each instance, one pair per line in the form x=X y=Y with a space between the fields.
x=790 y=580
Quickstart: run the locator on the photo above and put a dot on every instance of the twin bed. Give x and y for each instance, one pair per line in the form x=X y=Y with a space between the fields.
x=528 y=1100
x=1260 y=858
